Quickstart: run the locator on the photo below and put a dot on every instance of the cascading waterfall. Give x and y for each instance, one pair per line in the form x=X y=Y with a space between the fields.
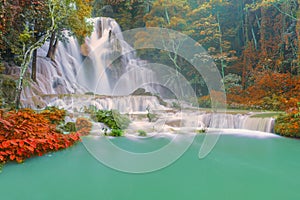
x=111 y=67
x=238 y=121
x=107 y=65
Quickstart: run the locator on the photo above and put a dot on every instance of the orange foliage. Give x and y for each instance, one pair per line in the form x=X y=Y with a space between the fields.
x=25 y=133
x=54 y=114
x=83 y=126
x=270 y=90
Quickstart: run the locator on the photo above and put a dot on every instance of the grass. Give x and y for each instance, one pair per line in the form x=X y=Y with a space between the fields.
x=266 y=115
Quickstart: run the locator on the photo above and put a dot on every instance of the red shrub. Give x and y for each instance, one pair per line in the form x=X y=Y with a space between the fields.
x=25 y=133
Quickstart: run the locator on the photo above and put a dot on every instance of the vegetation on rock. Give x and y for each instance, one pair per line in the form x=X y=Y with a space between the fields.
x=289 y=124
x=113 y=119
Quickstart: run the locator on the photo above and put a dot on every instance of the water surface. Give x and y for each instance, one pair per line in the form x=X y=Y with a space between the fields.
x=239 y=167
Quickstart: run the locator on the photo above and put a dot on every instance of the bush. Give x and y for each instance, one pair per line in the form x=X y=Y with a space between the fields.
x=7 y=91
x=69 y=127
x=142 y=133
x=26 y=133
x=112 y=118
x=116 y=132
x=288 y=124
x=83 y=126
x=54 y=114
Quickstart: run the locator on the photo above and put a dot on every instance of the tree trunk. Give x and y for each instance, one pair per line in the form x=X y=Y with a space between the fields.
x=33 y=67
x=221 y=47
x=263 y=33
x=52 y=46
x=18 y=94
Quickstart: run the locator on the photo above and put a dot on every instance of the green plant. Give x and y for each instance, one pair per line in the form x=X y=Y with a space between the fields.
x=116 y=132
x=54 y=114
x=7 y=91
x=151 y=117
x=142 y=133
x=69 y=127
x=202 y=130
x=176 y=105
x=288 y=124
x=112 y=118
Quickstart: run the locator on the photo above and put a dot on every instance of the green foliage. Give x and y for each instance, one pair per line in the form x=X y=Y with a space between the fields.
x=176 y=105
x=204 y=102
x=69 y=127
x=112 y=118
x=271 y=102
x=151 y=116
x=116 y=132
x=203 y=130
x=129 y=14
x=25 y=36
x=288 y=125
x=142 y=133
x=232 y=81
x=54 y=114
x=7 y=91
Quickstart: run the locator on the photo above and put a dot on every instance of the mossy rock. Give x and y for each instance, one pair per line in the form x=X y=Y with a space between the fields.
x=141 y=92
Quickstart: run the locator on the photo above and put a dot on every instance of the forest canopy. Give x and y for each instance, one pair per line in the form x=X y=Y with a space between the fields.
x=255 y=44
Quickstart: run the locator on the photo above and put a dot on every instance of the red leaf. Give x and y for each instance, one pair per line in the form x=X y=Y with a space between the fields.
x=14 y=142
x=5 y=144
x=21 y=143
x=12 y=157
x=1 y=158
x=30 y=148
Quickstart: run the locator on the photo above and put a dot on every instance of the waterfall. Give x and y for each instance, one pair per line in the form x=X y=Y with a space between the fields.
x=238 y=121
x=105 y=64
x=124 y=104
x=109 y=67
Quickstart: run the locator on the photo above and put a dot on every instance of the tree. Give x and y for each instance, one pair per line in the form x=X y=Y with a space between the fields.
x=72 y=16
x=215 y=29
x=128 y=14
x=29 y=48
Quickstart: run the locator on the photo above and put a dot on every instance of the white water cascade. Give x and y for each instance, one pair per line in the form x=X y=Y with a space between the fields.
x=110 y=68
x=237 y=121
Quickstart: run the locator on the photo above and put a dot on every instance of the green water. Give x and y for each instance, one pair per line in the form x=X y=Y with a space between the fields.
x=239 y=167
